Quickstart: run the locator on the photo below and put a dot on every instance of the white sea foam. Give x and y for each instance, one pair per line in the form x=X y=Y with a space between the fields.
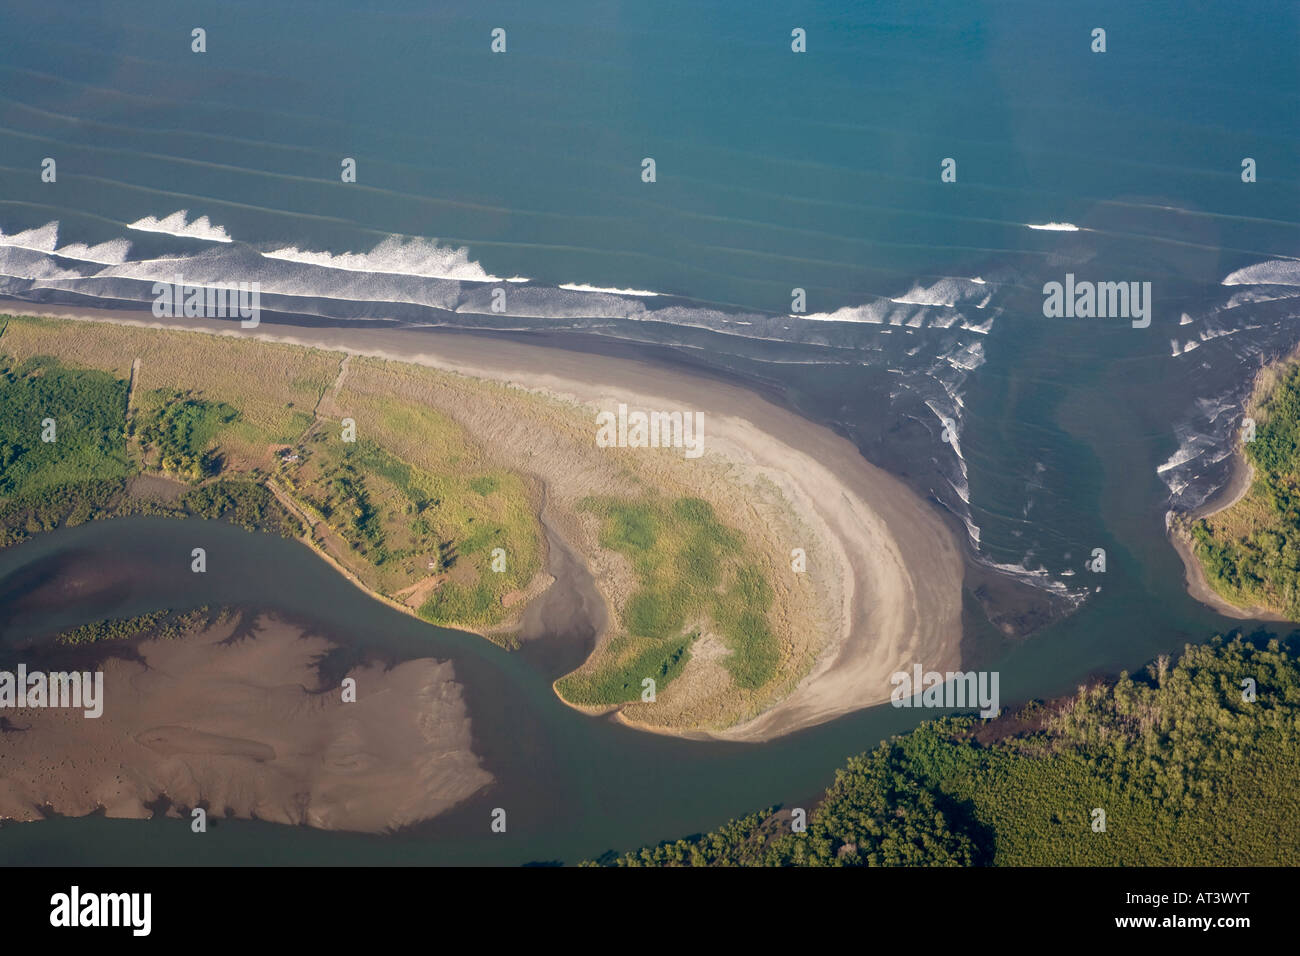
x=399 y=255
x=111 y=253
x=967 y=357
x=1191 y=445
x=1041 y=578
x=176 y=225
x=1273 y=272
x=41 y=239
x=945 y=292
x=20 y=262
x=872 y=313
x=582 y=287
x=1253 y=295
x=46 y=238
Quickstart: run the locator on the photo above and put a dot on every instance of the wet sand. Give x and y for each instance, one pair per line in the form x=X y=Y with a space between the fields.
x=242 y=727
x=892 y=565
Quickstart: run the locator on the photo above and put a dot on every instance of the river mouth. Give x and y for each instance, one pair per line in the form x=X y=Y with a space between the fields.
x=554 y=768
x=577 y=787
x=574 y=787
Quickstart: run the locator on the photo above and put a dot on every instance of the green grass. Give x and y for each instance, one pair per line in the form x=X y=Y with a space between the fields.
x=416 y=489
x=83 y=472
x=1187 y=771
x=400 y=518
x=661 y=660
x=691 y=571
x=275 y=387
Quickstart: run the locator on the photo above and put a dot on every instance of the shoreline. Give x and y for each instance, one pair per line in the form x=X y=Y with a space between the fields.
x=900 y=597
x=1237 y=487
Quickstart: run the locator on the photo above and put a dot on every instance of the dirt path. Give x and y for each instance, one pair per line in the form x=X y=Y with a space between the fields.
x=308 y=537
x=130 y=388
x=328 y=403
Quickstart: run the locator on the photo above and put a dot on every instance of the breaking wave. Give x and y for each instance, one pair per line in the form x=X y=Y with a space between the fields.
x=398 y=255
x=176 y=225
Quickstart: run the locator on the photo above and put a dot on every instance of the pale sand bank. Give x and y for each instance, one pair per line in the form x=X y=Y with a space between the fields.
x=889 y=570
x=244 y=729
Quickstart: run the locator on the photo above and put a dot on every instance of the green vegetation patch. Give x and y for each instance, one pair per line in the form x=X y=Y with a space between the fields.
x=82 y=410
x=414 y=500
x=164 y=625
x=409 y=523
x=246 y=503
x=83 y=471
x=183 y=429
x=1251 y=551
x=690 y=568
x=1189 y=768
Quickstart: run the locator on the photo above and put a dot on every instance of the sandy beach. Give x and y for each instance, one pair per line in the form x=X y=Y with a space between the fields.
x=243 y=727
x=885 y=572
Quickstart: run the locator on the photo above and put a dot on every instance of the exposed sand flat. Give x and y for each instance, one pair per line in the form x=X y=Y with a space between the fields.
x=241 y=729
x=883 y=588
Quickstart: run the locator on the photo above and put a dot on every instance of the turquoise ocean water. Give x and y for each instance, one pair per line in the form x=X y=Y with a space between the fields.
x=775 y=170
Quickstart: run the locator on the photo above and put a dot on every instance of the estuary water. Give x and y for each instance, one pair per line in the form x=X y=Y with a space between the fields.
x=774 y=171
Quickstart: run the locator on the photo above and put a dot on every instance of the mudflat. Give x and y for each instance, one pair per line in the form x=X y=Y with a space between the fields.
x=242 y=726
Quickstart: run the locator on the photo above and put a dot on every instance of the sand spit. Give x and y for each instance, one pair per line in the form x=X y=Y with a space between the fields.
x=1238 y=486
x=244 y=729
x=883 y=586
x=1243 y=476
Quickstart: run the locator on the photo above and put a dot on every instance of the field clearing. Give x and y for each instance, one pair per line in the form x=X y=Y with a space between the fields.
x=416 y=499
x=275 y=387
